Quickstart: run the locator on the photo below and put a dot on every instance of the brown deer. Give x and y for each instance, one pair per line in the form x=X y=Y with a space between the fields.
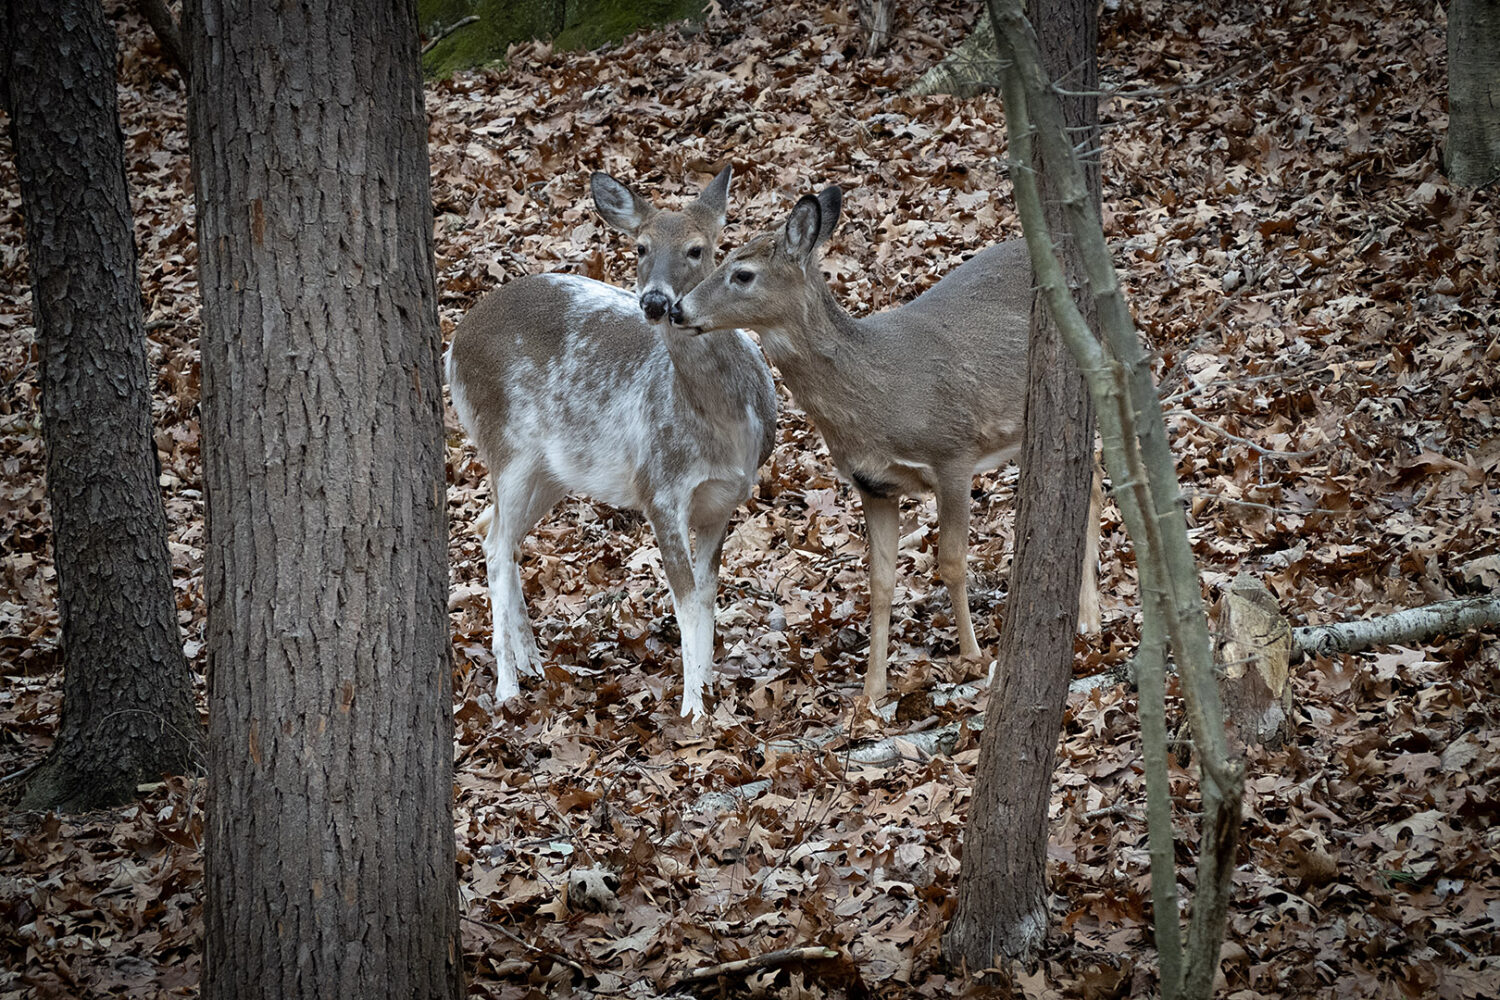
x=565 y=387
x=917 y=398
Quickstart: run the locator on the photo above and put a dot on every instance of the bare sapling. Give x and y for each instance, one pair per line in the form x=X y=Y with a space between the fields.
x=915 y=399
x=565 y=386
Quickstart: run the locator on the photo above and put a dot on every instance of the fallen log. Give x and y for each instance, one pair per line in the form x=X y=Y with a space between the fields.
x=1413 y=625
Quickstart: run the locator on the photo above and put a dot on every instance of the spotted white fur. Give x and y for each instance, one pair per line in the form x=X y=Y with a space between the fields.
x=566 y=388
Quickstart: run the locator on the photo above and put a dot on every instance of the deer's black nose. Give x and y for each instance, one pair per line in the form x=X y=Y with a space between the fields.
x=676 y=314
x=654 y=304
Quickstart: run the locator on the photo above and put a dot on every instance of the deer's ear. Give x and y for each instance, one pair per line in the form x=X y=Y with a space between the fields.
x=715 y=197
x=831 y=200
x=621 y=207
x=804 y=229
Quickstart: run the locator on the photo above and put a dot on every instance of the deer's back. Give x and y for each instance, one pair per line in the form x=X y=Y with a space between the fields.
x=950 y=367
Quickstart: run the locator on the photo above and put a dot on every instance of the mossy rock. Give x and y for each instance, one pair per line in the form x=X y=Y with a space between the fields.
x=571 y=24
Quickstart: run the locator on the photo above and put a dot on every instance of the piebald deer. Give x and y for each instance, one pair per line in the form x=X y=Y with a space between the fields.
x=917 y=398
x=565 y=387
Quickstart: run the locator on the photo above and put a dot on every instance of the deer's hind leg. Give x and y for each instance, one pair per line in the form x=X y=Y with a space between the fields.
x=953 y=554
x=521 y=494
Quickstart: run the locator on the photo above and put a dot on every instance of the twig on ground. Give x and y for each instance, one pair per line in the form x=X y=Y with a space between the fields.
x=1267 y=452
x=1273 y=508
x=1118 y=809
x=545 y=952
x=769 y=960
x=22 y=772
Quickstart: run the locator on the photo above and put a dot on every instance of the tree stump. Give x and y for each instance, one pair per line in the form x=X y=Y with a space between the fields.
x=1254 y=651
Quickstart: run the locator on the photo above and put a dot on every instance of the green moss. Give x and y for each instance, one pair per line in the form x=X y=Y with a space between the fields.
x=598 y=22
x=572 y=24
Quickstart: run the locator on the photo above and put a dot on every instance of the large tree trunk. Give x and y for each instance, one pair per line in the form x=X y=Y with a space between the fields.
x=1472 y=155
x=329 y=848
x=1002 y=911
x=128 y=713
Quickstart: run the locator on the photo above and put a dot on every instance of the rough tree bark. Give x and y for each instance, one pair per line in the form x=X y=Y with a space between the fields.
x=1472 y=153
x=128 y=713
x=329 y=849
x=1002 y=910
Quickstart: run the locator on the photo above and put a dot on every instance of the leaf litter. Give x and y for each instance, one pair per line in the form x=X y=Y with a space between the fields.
x=1323 y=308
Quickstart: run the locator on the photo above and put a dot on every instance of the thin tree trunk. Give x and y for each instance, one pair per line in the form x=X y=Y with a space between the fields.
x=1145 y=477
x=329 y=848
x=167 y=33
x=1002 y=911
x=128 y=715
x=1472 y=153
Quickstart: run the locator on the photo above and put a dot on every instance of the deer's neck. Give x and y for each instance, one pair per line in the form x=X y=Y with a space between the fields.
x=820 y=351
x=714 y=373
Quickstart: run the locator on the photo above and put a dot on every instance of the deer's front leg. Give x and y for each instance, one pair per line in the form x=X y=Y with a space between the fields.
x=694 y=607
x=882 y=530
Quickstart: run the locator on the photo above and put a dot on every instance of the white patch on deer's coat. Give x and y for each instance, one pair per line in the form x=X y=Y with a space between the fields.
x=593 y=408
x=461 y=406
x=590 y=296
x=996 y=459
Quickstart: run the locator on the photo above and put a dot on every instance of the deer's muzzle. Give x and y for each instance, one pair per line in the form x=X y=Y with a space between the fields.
x=655 y=303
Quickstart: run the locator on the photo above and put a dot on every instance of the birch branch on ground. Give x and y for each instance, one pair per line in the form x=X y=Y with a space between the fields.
x=1414 y=625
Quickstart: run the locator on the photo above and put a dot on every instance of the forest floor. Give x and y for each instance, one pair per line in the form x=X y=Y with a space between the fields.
x=1323 y=307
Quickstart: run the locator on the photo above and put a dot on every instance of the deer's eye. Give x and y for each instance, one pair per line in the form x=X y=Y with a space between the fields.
x=695 y=253
x=642 y=249
x=742 y=277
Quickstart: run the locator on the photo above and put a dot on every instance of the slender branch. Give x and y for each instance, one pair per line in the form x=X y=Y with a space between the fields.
x=499 y=925
x=22 y=772
x=460 y=23
x=1273 y=508
x=1267 y=452
x=1151 y=699
x=1305 y=368
x=1162 y=91
x=1151 y=704
x=1118 y=809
